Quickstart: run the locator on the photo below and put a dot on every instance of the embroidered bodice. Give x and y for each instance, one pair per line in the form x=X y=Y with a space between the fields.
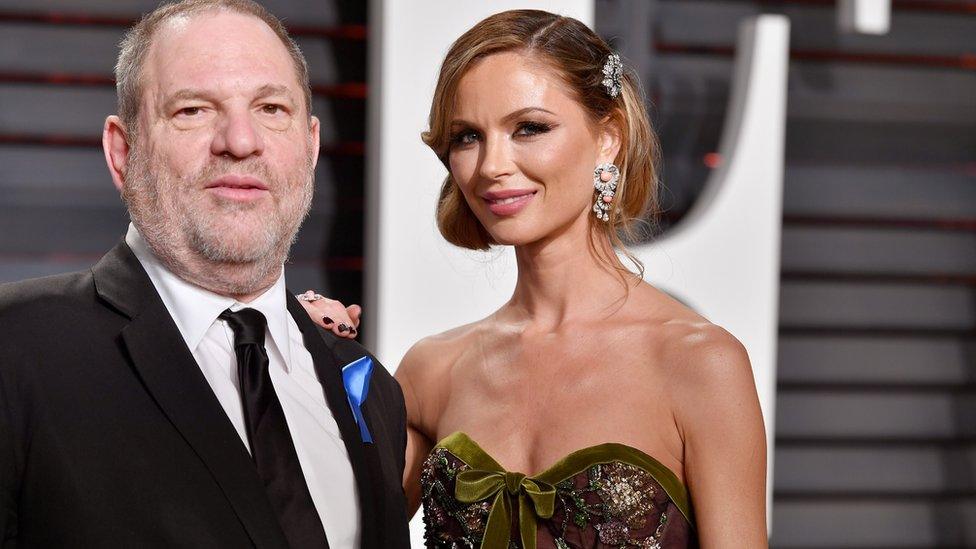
x=603 y=496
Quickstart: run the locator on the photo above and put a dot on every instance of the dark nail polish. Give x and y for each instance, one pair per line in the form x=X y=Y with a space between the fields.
x=327 y=320
x=352 y=331
x=343 y=328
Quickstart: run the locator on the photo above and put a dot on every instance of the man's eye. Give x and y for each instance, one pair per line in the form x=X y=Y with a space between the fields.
x=189 y=111
x=271 y=109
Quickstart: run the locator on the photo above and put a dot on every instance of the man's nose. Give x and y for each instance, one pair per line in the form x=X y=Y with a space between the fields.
x=238 y=135
x=496 y=160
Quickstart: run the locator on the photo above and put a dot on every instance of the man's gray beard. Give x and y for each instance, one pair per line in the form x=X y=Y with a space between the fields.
x=192 y=244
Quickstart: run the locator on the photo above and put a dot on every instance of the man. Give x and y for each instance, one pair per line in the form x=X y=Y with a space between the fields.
x=176 y=394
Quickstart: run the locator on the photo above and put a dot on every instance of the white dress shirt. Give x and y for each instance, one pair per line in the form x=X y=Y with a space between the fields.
x=321 y=452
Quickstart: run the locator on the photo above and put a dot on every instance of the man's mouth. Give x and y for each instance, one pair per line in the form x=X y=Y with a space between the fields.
x=242 y=188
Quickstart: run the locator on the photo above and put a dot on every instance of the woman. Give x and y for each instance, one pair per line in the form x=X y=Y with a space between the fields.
x=617 y=401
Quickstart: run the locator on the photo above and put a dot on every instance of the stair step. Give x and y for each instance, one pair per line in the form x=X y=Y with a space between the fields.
x=874 y=524
x=879 y=191
x=894 y=251
x=867 y=414
x=921 y=361
x=92 y=50
x=871 y=471
x=712 y=23
x=284 y=9
x=700 y=85
x=843 y=305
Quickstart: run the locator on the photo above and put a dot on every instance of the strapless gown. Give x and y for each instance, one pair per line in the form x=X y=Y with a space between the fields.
x=611 y=495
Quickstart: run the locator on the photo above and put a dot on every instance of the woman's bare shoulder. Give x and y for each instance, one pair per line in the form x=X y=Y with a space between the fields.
x=425 y=374
x=432 y=356
x=709 y=375
x=697 y=351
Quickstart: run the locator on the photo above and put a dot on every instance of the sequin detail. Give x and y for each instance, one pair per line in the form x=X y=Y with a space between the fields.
x=614 y=504
x=447 y=522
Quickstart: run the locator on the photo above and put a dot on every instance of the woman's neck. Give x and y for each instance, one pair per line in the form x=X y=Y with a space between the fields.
x=566 y=278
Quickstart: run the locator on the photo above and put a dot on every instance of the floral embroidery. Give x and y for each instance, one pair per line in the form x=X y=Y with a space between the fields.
x=442 y=513
x=619 y=504
x=628 y=492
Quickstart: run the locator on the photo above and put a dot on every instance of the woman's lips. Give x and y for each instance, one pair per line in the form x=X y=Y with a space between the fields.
x=504 y=203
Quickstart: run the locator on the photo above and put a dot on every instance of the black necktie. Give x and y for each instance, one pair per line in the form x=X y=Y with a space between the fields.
x=267 y=432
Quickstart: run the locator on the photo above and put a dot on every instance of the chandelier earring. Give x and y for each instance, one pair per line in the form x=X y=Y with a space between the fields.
x=605 y=178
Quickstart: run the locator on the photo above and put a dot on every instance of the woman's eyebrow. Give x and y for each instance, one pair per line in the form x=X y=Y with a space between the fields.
x=526 y=110
x=507 y=118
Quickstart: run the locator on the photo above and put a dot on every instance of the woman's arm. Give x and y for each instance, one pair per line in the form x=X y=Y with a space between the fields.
x=718 y=415
x=412 y=376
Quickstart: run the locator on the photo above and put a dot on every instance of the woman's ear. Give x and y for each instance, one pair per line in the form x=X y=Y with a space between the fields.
x=610 y=139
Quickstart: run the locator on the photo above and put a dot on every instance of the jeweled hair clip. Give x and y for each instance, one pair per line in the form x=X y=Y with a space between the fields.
x=613 y=71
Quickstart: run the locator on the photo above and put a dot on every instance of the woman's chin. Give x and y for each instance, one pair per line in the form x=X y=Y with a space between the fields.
x=513 y=236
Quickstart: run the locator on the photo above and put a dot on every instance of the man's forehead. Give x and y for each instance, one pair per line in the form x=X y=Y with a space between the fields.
x=208 y=20
x=218 y=44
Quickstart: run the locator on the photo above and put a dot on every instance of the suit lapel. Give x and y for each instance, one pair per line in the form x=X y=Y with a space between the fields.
x=328 y=368
x=173 y=378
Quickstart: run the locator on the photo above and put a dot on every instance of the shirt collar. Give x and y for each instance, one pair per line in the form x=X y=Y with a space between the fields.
x=195 y=309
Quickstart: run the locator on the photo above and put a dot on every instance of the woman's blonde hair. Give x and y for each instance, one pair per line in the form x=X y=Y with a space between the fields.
x=578 y=54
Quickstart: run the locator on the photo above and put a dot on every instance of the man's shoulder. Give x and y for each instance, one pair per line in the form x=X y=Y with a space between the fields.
x=347 y=350
x=49 y=293
x=36 y=312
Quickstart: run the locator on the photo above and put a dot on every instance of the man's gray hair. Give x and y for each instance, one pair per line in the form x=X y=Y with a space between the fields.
x=138 y=39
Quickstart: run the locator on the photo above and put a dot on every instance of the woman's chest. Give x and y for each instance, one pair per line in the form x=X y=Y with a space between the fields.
x=532 y=411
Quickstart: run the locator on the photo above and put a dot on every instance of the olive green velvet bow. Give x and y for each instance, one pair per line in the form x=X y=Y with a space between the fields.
x=535 y=499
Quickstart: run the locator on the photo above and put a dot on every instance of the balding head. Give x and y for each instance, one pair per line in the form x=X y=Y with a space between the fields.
x=136 y=44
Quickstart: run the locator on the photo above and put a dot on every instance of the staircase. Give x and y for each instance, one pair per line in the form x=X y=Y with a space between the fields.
x=876 y=406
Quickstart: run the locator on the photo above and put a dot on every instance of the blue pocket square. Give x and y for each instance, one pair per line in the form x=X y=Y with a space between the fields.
x=355 y=378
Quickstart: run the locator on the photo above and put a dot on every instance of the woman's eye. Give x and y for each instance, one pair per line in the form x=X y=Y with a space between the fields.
x=532 y=128
x=464 y=138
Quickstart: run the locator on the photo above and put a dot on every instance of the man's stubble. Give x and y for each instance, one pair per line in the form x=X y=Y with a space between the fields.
x=207 y=240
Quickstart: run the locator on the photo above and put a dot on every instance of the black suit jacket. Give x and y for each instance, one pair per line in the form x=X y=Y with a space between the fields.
x=110 y=436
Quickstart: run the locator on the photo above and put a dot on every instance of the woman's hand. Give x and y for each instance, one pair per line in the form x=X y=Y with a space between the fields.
x=331 y=314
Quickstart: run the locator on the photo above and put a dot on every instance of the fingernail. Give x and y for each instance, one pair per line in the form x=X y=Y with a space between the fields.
x=352 y=331
x=326 y=320
x=343 y=328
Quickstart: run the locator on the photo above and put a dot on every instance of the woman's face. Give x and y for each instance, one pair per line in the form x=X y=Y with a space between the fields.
x=523 y=150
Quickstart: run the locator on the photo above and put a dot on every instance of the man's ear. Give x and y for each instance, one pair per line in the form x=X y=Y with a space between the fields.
x=610 y=139
x=115 y=145
x=314 y=126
